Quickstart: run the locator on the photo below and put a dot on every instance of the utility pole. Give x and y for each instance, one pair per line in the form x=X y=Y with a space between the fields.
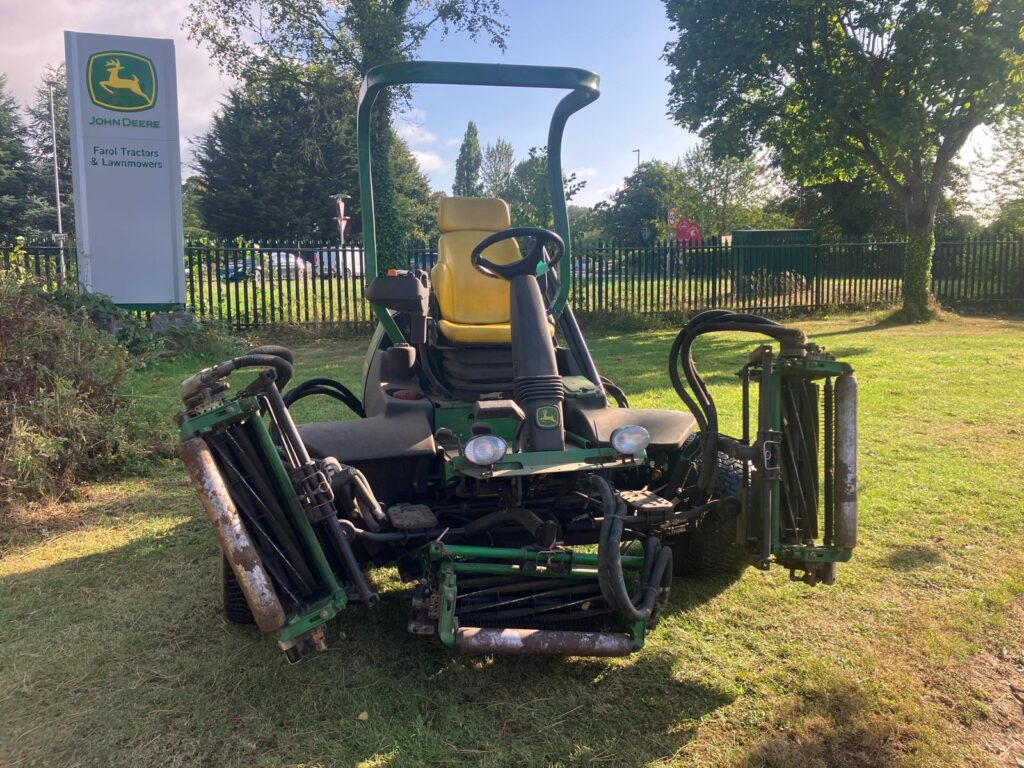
x=56 y=190
x=637 y=158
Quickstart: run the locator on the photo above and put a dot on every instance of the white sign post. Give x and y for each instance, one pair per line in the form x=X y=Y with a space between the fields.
x=125 y=159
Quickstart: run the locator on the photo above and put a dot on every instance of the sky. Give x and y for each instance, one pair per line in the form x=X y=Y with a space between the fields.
x=622 y=42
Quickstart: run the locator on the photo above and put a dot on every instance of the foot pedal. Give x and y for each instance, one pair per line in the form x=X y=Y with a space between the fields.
x=412 y=517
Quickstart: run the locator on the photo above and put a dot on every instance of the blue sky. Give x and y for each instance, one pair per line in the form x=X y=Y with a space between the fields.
x=622 y=42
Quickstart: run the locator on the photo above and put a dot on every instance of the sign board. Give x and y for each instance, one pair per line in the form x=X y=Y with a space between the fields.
x=689 y=232
x=126 y=165
x=673 y=217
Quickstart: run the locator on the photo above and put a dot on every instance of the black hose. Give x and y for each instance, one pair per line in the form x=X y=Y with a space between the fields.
x=355 y=573
x=615 y=391
x=274 y=349
x=352 y=531
x=329 y=387
x=657 y=572
x=698 y=398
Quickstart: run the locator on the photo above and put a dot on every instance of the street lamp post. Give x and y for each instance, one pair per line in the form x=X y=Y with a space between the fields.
x=59 y=237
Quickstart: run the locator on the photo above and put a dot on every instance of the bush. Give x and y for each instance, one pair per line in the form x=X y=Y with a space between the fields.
x=63 y=417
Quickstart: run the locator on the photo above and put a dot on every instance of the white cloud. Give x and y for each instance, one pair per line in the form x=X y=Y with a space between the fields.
x=586 y=172
x=411 y=128
x=34 y=37
x=589 y=196
x=416 y=135
x=429 y=161
x=452 y=142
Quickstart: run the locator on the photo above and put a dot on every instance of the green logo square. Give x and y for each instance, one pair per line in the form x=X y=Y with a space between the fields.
x=122 y=81
x=547 y=417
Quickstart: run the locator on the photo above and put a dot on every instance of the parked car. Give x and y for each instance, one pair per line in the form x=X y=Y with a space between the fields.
x=347 y=262
x=243 y=269
x=287 y=264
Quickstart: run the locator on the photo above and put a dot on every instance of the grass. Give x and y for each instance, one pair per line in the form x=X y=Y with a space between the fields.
x=114 y=651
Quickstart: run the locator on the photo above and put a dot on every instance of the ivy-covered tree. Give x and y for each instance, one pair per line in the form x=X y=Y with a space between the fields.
x=890 y=87
x=496 y=171
x=419 y=205
x=15 y=166
x=467 y=165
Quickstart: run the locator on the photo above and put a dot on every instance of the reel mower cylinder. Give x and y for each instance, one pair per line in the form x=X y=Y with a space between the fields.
x=846 y=462
x=234 y=540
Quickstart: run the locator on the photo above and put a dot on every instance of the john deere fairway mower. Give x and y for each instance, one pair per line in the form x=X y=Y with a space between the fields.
x=530 y=508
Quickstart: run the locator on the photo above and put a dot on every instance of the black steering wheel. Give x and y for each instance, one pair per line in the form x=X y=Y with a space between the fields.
x=525 y=266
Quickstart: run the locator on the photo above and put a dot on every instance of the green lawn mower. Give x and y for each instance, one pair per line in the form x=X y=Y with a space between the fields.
x=531 y=509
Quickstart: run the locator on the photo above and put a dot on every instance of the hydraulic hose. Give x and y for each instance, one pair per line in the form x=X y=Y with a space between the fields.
x=281 y=366
x=657 y=571
x=355 y=573
x=697 y=397
x=329 y=387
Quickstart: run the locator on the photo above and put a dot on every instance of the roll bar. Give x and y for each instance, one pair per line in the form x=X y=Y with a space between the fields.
x=584 y=87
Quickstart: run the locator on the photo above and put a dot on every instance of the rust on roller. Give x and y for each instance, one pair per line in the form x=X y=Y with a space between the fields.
x=541 y=642
x=234 y=540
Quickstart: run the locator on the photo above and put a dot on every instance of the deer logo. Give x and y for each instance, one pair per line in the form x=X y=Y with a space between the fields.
x=121 y=81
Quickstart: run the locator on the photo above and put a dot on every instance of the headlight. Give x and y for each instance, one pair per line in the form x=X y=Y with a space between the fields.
x=484 y=450
x=631 y=439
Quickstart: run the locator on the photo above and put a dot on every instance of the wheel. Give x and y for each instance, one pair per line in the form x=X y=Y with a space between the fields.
x=256 y=276
x=236 y=609
x=710 y=549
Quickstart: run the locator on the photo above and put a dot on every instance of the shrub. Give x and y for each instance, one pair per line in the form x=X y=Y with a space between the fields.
x=63 y=417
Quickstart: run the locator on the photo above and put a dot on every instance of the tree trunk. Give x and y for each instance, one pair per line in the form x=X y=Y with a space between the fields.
x=917 y=268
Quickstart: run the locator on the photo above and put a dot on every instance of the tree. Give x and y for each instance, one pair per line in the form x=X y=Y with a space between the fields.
x=413 y=197
x=528 y=194
x=836 y=88
x=273 y=158
x=15 y=166
x=467 y=166
x=850 y=210
x=644 y=200
x=348 y=37
x=192 y=192
x=728 y=193
x=498 y=164
x=40 y=139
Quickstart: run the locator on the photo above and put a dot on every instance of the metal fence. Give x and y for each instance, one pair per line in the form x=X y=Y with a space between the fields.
x=249 y=285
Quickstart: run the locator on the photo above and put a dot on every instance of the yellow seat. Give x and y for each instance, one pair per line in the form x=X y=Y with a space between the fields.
x=474 y=307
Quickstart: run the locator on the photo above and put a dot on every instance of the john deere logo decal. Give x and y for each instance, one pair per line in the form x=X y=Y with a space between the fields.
x=121 y=81
x=547 y=417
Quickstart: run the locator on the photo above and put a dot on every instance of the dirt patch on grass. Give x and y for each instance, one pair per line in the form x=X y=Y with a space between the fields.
x=996 y=679
x=834 y=726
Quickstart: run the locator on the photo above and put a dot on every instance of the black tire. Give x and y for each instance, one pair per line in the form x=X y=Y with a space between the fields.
x=236 y=609
x=710 y=549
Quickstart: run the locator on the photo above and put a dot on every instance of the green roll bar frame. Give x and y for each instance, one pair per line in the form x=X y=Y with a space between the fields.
x=584 y=87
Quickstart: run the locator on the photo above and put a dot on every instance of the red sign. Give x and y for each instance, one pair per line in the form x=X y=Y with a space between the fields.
x=689 y=232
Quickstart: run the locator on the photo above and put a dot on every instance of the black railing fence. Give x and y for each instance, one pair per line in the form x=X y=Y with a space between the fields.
x=248 y=285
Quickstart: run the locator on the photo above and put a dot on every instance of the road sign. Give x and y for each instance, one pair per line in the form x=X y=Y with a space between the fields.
x=689 y=232
x=673 y=217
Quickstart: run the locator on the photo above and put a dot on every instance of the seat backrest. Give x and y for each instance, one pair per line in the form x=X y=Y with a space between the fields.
x=463 y=294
